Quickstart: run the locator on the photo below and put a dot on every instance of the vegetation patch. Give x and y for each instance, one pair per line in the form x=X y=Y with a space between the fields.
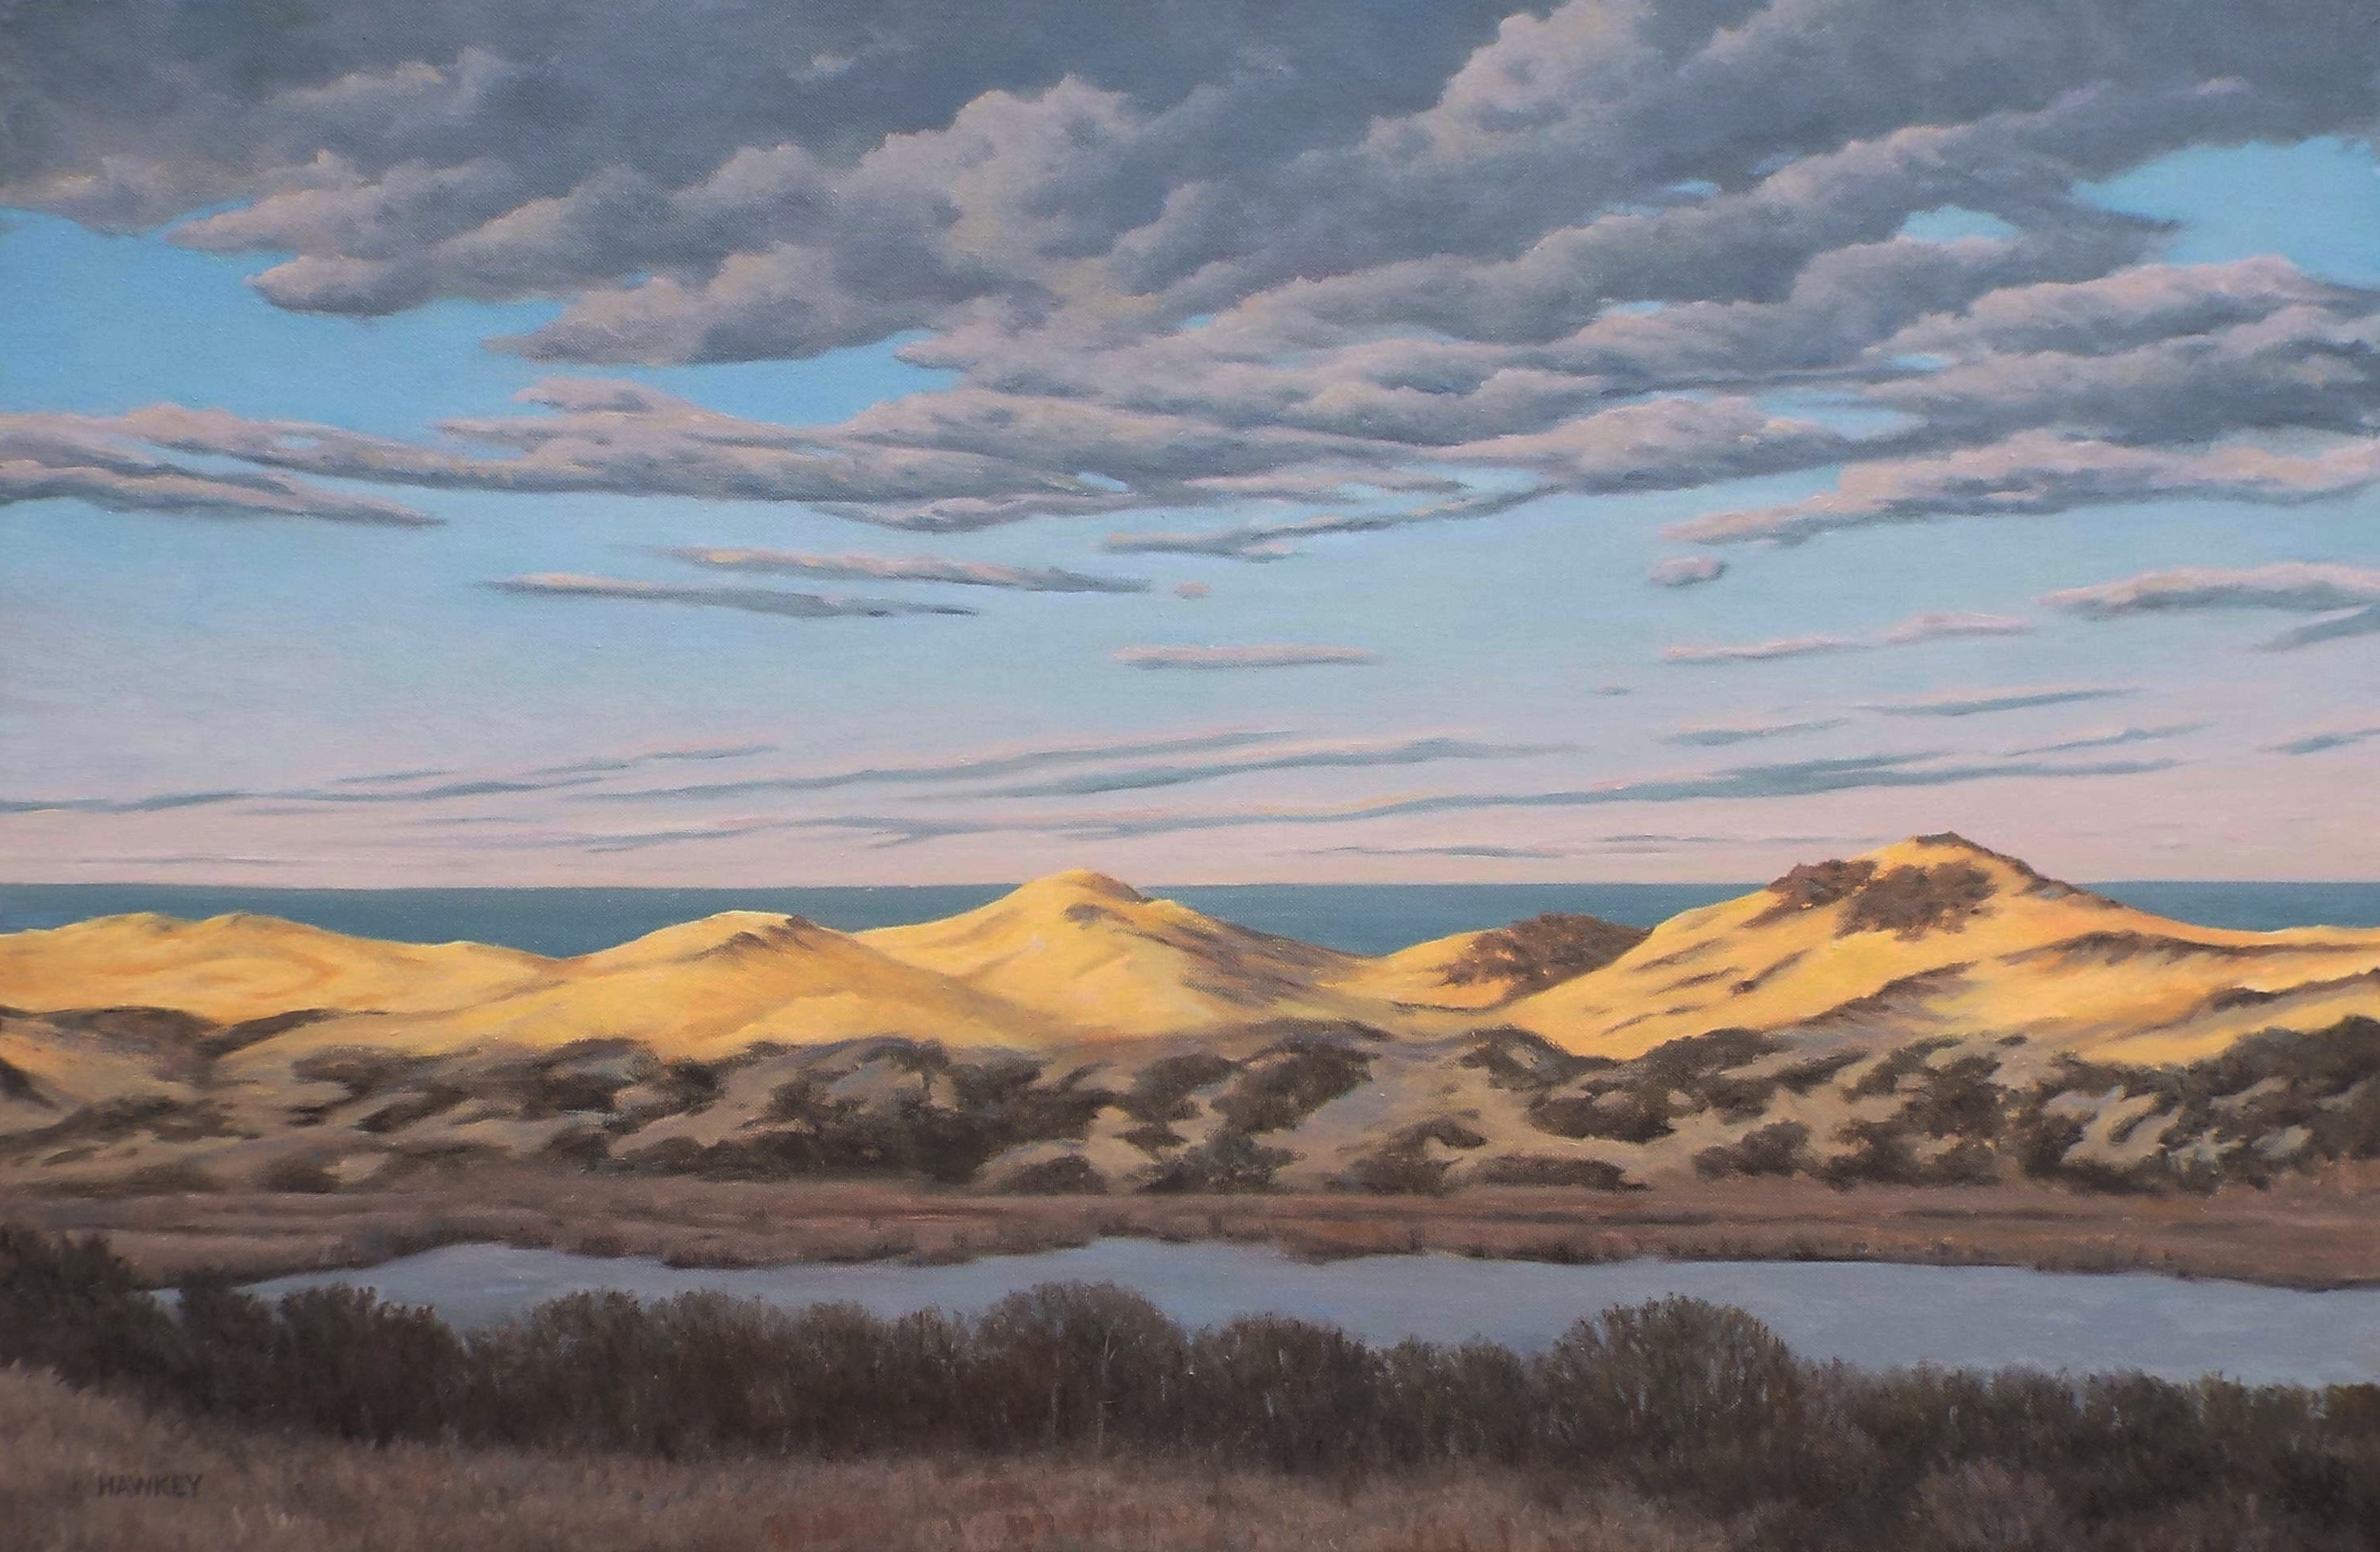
x=1911 y=902
x=1069 y=1174
x=1282 y=1085
x=1542 y=951
x=1544 y=1169
x=1228 y=1163
x=1811 y=886
x=1781 y=1148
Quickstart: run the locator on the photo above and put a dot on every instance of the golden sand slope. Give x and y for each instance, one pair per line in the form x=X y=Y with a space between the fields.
x=1418 y=976
x=1470 y=972
x=1096 y=954
x=726 y=982
x=237 y=967
x=723 y=982
x=1992 y=949
x=2034 y=957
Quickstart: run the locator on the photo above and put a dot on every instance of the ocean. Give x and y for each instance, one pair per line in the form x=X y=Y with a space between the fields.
x=1358 y=918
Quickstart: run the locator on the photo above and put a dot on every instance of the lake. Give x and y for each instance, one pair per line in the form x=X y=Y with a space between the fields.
x=1872 y=1315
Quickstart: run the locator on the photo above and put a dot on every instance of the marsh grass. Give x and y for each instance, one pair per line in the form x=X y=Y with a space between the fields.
x=289 y=1493
x=2305 y=1232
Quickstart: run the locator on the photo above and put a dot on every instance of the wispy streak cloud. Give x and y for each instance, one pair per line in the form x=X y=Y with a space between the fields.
x=1803 y=779
x=2323 y=742
x=1764 y=651
x=1413 y=751
x=1274 y=541
x=1717 y=736
x=1985 y=703
x=909 y=568
x=1273 y=655
x=1931 y=625
x=2289 y=586
x=970 y=768
x=755 y=600
x=2116 y=739
x=1509 y=854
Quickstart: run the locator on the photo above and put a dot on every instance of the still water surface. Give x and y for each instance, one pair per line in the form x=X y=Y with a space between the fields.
x=1870 y=1313
x=1357 y=918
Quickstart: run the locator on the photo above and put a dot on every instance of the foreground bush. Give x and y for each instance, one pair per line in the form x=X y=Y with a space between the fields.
x=1693 y=1406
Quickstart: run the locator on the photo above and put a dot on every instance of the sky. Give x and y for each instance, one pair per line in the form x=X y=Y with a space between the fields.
x=520 y=443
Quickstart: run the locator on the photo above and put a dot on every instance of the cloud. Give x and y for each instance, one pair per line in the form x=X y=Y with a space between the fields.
x=583 y=780
x=1354 y=756
x=1273 y=541
x=2365 y=622
x=2116 y=738
x=2131 y=308
x=1720 y=735
x=910 y=568
x=698 y=754
x=49 y=457
x=1192 y=589
x=1932 y=626
x=2322 y=743
x=2290 y=586
x=1985 y=703
x=1938 y=625
x=1686 y=571
x=757 y=600
x=389 y=778
x=1763 y=652
x=1657 y=842
x=2038 y=472
x=1492 y=853
x=979 y=766
x=336 y=793
x=1802 y=779
x=1277 y=655
x=1284 y=255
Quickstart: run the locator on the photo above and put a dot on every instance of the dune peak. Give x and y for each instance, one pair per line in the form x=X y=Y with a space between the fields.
x=1084 y=884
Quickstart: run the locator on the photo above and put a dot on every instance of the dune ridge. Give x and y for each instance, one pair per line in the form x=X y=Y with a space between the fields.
x=1932 y=1012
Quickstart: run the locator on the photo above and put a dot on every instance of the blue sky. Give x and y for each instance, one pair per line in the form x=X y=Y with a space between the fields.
x=193 y=694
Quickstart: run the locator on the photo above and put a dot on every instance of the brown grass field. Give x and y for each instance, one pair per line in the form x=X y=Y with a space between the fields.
x=268 y=1493
x=2305 y=1232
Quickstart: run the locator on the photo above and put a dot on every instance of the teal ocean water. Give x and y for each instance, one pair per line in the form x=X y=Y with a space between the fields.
x=1359 y=919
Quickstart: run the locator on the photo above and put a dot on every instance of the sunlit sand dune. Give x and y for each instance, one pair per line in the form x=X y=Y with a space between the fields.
x=1098 y=956
x=237 y=967
x=1929 y=1014
x=1937 y=936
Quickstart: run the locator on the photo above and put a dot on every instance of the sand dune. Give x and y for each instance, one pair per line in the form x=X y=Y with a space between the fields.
x=237 y=967
x=1932 y=936
x=1937 y=936
x=1904 y=1016
x=710 y=987
x=1098 y=956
